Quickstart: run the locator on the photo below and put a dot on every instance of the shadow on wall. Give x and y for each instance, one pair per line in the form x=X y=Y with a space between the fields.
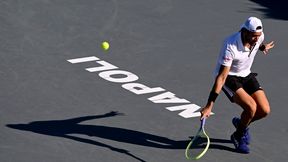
x=276 y=9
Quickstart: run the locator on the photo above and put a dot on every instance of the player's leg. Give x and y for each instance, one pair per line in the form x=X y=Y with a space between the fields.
x=263 y=107
x=253 y=88
x=234 y=90
x=249 y=106
x=240 y=137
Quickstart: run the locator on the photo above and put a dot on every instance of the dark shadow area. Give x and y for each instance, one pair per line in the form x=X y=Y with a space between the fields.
x=276 y=9
x=65 y=128
x=69 y=127
x=218 y=144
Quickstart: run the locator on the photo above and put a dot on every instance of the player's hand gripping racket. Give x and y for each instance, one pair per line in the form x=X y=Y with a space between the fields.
x=199 y=144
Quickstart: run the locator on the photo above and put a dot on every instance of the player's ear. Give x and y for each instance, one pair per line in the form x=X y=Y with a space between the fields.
x=244 y=31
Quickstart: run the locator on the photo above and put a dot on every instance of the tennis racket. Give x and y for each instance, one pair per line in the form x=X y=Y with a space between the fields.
x=199 y=144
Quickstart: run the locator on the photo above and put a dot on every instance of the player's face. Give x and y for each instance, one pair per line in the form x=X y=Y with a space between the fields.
x=252 y=37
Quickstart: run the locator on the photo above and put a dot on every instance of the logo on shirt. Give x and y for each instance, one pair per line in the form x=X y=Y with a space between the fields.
x=226 y=58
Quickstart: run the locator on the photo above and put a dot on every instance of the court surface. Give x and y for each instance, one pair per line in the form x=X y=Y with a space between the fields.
x=57 y=110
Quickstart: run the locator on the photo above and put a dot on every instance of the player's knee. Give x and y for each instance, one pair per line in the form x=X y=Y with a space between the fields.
x=252 y=107
x=265 y=110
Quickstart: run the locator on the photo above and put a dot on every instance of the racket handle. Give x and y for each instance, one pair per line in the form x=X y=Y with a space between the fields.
x=203 y=122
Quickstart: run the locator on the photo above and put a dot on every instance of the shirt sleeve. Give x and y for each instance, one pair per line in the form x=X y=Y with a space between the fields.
x=226 y=58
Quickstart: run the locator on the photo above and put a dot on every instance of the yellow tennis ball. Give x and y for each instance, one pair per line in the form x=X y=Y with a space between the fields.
x=105 y=46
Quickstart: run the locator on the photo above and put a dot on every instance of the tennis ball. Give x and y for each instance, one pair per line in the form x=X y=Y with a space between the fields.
x=105 y=46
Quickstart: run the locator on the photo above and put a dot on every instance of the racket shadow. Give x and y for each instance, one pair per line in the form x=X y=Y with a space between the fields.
x=216 y=143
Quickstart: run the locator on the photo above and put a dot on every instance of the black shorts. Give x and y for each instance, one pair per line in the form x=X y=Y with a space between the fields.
x=233 y=83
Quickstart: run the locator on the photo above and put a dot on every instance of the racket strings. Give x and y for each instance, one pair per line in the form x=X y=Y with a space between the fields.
x=198 y=145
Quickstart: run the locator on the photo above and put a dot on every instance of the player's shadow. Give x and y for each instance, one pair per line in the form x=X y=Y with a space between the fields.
x=276 y=9
x=70 y=128
x=67 y=128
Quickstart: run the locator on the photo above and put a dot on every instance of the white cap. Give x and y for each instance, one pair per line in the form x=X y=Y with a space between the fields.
x=253 y=24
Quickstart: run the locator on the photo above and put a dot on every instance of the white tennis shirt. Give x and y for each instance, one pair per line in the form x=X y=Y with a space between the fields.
x=236 y=56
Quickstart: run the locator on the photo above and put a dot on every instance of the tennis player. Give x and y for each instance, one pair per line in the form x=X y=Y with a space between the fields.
x=234 y=77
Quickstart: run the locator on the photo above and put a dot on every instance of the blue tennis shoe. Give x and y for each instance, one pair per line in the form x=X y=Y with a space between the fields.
x=247 y=137
x=240 y=143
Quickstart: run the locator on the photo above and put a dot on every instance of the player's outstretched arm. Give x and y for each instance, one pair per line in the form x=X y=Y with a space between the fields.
x=217 y=87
